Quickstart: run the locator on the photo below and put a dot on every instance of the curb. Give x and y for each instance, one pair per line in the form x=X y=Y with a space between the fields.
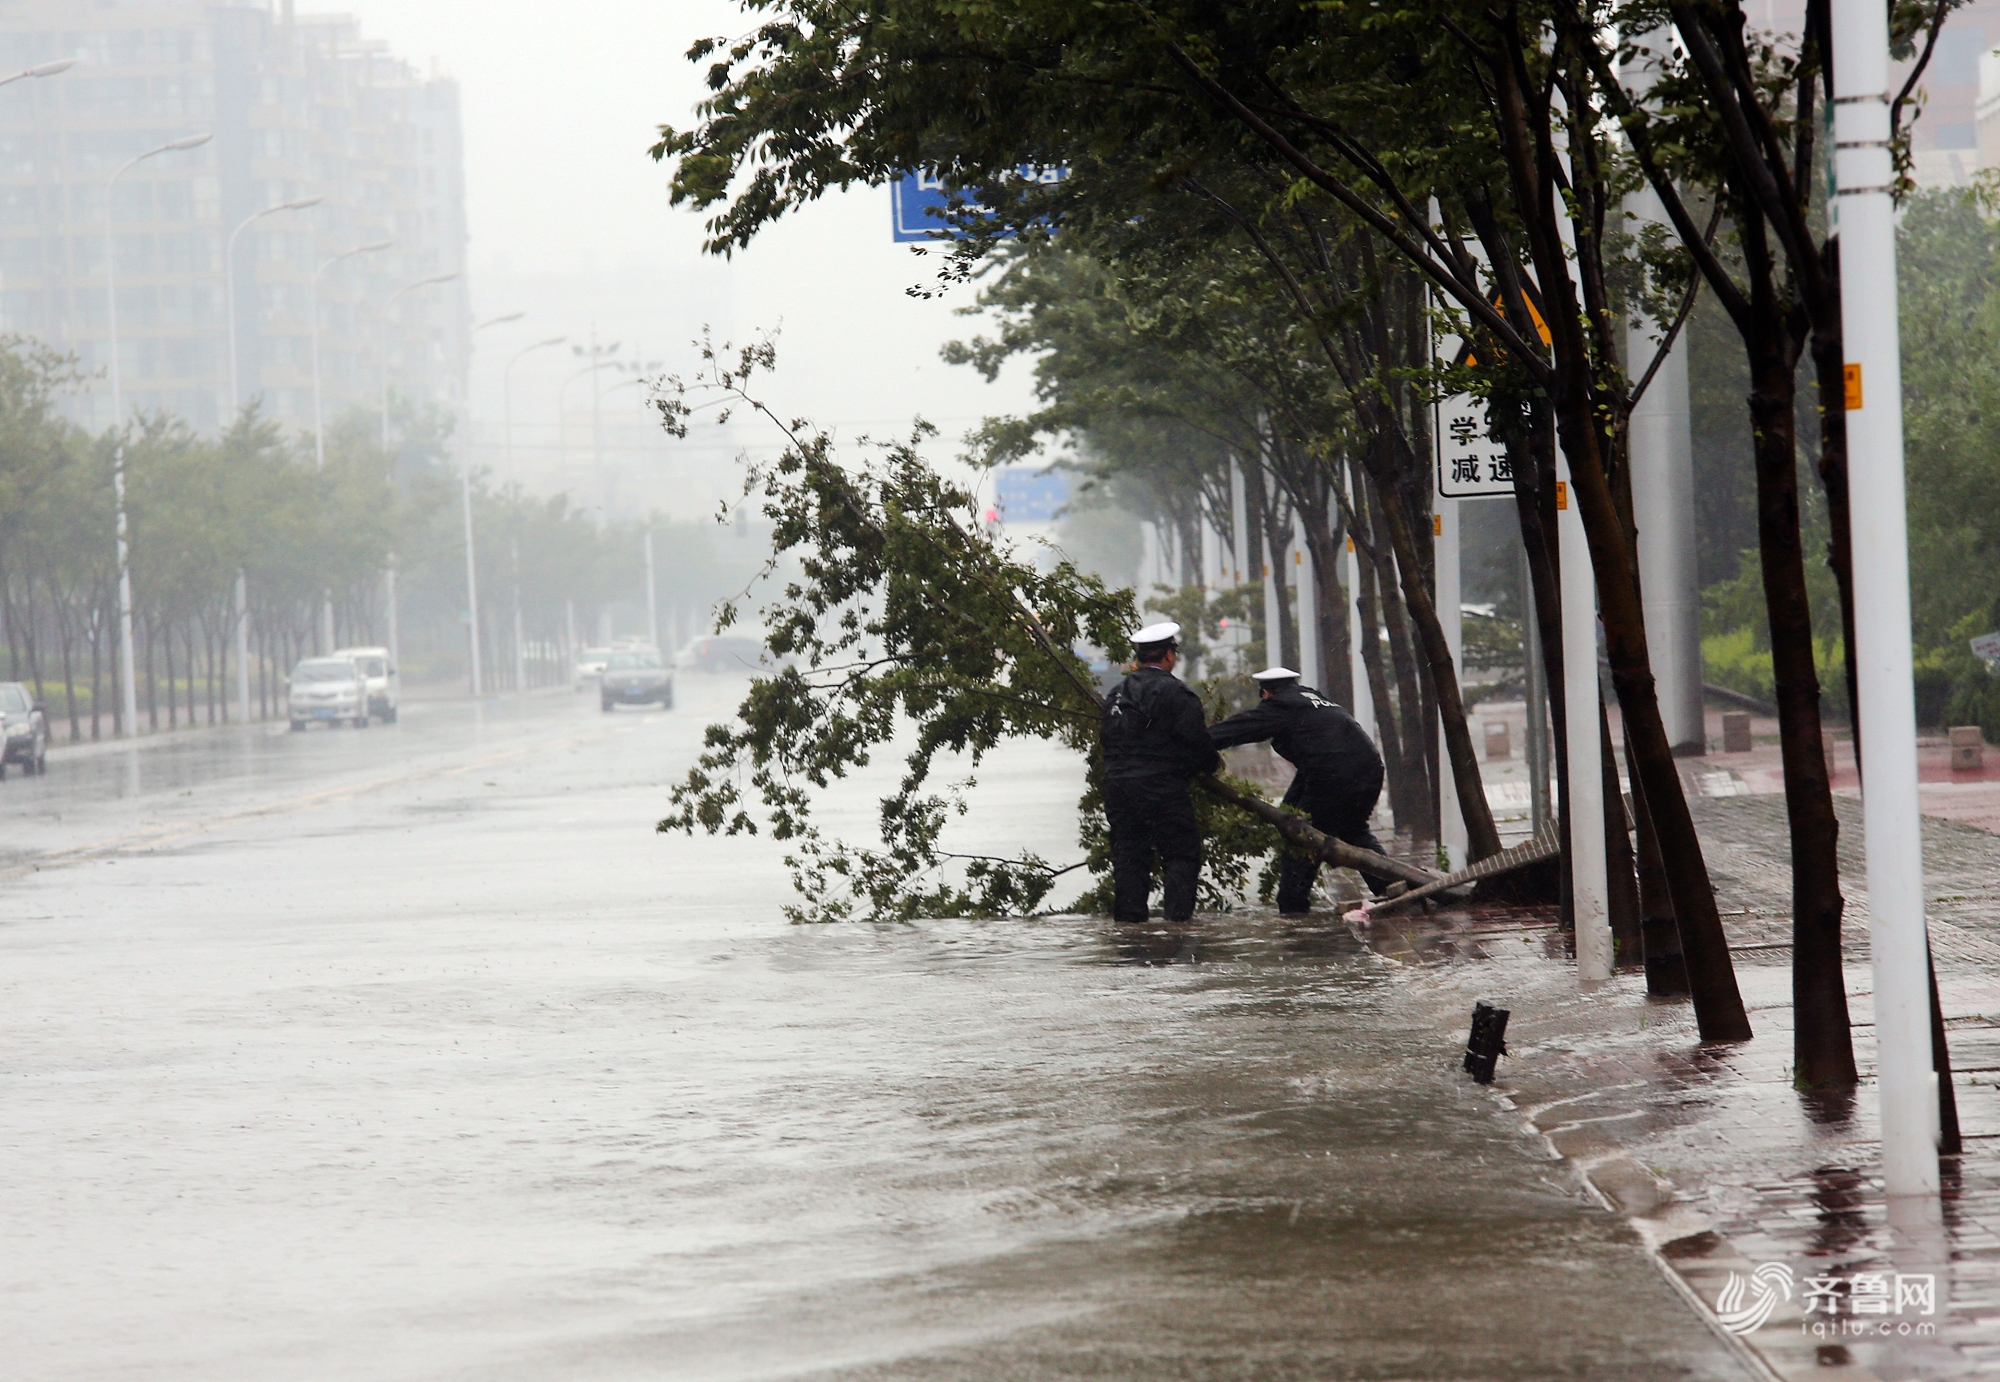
x=1696 y=1260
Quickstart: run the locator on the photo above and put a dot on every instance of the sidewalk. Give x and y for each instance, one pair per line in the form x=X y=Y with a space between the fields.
x=1714 y=1159
x=1968 y=796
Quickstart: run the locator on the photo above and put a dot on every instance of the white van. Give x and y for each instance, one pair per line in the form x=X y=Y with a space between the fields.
x=380 y=675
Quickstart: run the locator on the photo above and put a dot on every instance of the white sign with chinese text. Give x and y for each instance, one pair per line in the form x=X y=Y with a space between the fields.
x=1471 y=464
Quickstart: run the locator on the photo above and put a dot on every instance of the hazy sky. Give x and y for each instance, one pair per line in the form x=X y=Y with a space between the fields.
x=569 y=220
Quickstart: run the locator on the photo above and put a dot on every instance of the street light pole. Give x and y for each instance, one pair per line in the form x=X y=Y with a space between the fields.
x=562 y=396
x=319 y=413
x=507 y=396
x=652 y=590
x=229 y=285
x=383 y=332
x=1864 y=176
x=129 y=696
x=520 y=649
x=471 y=576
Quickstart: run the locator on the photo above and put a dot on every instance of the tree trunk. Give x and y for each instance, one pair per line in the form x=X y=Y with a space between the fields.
x=1666 y=970
x=1401 y=803
x=1406 y=706
x=1482 y=836
x=96 y=670
x=67 y=635
x=1532 y=169
x=1823 y=1044
x=1829 y=361
x=1283 y=650
x=1335 y=674
x=1620 y=874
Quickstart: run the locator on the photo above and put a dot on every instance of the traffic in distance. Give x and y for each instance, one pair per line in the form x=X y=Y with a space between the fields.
x=355 y=687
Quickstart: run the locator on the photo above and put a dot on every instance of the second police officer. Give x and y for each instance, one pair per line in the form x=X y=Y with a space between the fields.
x=1339 y=773
x=1155 y=743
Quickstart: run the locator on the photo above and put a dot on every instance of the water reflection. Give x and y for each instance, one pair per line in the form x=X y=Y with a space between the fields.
x=1157 y=945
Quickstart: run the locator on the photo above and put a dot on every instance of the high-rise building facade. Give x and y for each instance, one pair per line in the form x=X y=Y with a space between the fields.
x=299 y=106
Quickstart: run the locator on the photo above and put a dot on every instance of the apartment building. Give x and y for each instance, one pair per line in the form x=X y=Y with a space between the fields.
x=299 y=106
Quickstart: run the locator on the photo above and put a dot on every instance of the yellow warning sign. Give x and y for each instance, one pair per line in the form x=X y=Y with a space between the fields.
x=1437 y=525
x=1562 y=494
x=1851 y=377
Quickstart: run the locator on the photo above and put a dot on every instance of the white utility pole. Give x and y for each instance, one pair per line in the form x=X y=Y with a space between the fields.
x=1240 y=568
x=1274 y=633
x=1308 y=603
x=520 y=646
x=1451 y=813
x=1865 y=220
x=471 y=577
x=395 y=644
x=242 y=645
x=129 y=694
x=1364 y=696
x=1589 y=874
x=652 y=592
x=1662 y=444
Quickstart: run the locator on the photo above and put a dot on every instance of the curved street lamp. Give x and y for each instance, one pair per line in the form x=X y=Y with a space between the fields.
x=43 y=69
x=128 y=694
x=229 y=283
x=319 y=418
x=388 y=303
x=507 y=395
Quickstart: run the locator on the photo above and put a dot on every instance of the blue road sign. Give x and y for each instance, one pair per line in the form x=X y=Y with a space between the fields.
x=919 y=201
x=1025 y=495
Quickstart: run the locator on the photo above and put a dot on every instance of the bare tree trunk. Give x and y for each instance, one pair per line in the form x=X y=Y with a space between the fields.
x=1391 y=560
x=1621 y=876
x=1823 y=1042
x=1402 y=801
x=96 y=666
x=66 y=634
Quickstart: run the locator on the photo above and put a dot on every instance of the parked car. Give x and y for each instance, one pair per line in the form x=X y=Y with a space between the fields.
x=724 y=652
x=636 y=676
x=384 y=686
x=329 y=690
x=27 y=730
x=590 y=666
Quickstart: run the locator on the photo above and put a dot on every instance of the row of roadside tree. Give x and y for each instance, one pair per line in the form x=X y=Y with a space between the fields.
x=1267 y=213
x=247 y=529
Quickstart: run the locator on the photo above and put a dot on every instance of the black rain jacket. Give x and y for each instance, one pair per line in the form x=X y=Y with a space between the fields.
x=1314 y=735
x=1153 y=727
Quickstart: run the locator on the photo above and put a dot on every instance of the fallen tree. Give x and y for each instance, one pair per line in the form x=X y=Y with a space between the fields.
x=899 y=614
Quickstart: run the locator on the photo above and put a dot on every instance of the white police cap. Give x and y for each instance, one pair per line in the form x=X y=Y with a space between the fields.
x=1157 y=633
x=1275 y=674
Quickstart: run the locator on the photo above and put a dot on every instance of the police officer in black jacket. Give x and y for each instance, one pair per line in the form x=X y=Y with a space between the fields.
x=1339 y=771
x=1155 y=743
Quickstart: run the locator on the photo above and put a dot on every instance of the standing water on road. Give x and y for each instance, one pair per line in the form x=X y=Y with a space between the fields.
x=415 y=1053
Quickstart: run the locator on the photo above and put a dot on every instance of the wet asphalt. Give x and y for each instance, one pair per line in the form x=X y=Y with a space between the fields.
x=414 y=1052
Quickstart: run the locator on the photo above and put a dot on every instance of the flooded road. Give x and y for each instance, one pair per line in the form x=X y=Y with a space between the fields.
x=414 y=1053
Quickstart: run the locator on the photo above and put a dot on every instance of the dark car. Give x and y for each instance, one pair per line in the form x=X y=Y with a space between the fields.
x=724 y=652
x=27 y=730
x=636 y=676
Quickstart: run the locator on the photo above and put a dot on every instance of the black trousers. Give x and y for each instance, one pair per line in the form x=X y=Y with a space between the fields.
x=1337 y=809
x=1148 y=817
